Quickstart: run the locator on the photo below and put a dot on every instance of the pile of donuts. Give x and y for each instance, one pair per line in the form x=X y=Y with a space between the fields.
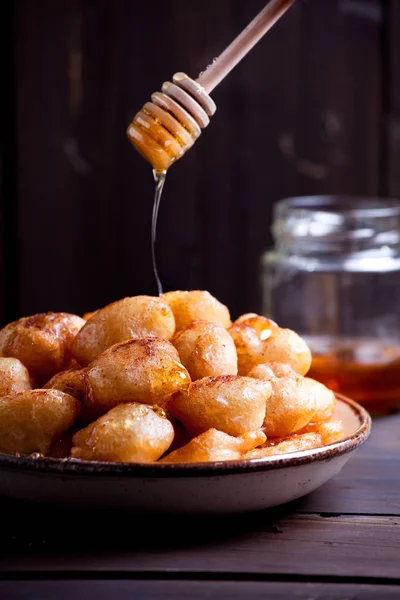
x=167 y=379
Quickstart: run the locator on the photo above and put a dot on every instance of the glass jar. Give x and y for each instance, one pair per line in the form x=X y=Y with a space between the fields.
x=334 y=278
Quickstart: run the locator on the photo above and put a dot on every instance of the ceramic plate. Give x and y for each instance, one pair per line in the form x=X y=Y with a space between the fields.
x=220 y=487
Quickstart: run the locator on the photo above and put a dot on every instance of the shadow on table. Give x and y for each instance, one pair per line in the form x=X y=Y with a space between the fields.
x=32 y=529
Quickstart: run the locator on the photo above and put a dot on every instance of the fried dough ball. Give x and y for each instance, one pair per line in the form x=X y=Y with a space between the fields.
x=41 y=342
x=259 y=340
x=135 y=317
x=14 y=377
x=71 y=381
x=214 y=445
x=249 y=333
x=330 y=431
x=206 y=350
x=290 y=407
x=229 y=403
x=249 y=347
x=313 y=437
x=294 y=443
x=196 y=305
x=287 y=347
x=144 y=370
x=129 y=432
x=272 y=370
x=243 y=318
x=75 y=383
x=292 y=403
x=31 y=421
x=325 y=400
x=262 y=325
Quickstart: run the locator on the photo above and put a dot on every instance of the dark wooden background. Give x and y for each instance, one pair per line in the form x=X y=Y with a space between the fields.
x=315 y=108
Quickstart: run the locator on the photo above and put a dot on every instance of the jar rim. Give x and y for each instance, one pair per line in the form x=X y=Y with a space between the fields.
x=338 y=222
x=346 y=205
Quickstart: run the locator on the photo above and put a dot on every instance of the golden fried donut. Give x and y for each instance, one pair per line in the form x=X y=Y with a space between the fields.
x=129 y=432
x=14 y=377
x=259 y=340
x=135 y=317
x=196 y=305
x=229 y=403
x=144 y=370
x=214 y=445
x=206 y=350
x=31 y=421
x=41 y=342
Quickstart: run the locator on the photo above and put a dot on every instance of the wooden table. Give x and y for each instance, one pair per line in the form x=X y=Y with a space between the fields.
x=343 y=541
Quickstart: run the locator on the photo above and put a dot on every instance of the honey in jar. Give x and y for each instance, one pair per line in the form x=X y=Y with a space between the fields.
x=334 y=277
x=366 y=370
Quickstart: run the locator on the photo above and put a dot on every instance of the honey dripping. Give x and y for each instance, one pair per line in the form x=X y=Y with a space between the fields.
x=164 y=129
x=159 y=179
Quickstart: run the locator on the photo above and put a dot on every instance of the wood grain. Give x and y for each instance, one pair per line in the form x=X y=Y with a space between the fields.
x=370 y=482
x=194 y=590
x=254 y=545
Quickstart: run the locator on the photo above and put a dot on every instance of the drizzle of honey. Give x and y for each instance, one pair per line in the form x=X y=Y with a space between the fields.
x=162 y=131
x=160 y=148
x=159 y=179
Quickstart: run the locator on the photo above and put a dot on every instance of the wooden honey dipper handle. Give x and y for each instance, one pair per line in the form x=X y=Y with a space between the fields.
x=244 y=42
x=168 y=126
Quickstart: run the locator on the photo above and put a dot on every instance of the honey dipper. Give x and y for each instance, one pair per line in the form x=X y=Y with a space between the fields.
x=164 y=129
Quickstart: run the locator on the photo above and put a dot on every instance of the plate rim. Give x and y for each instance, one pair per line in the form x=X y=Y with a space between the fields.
x=79 y=467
